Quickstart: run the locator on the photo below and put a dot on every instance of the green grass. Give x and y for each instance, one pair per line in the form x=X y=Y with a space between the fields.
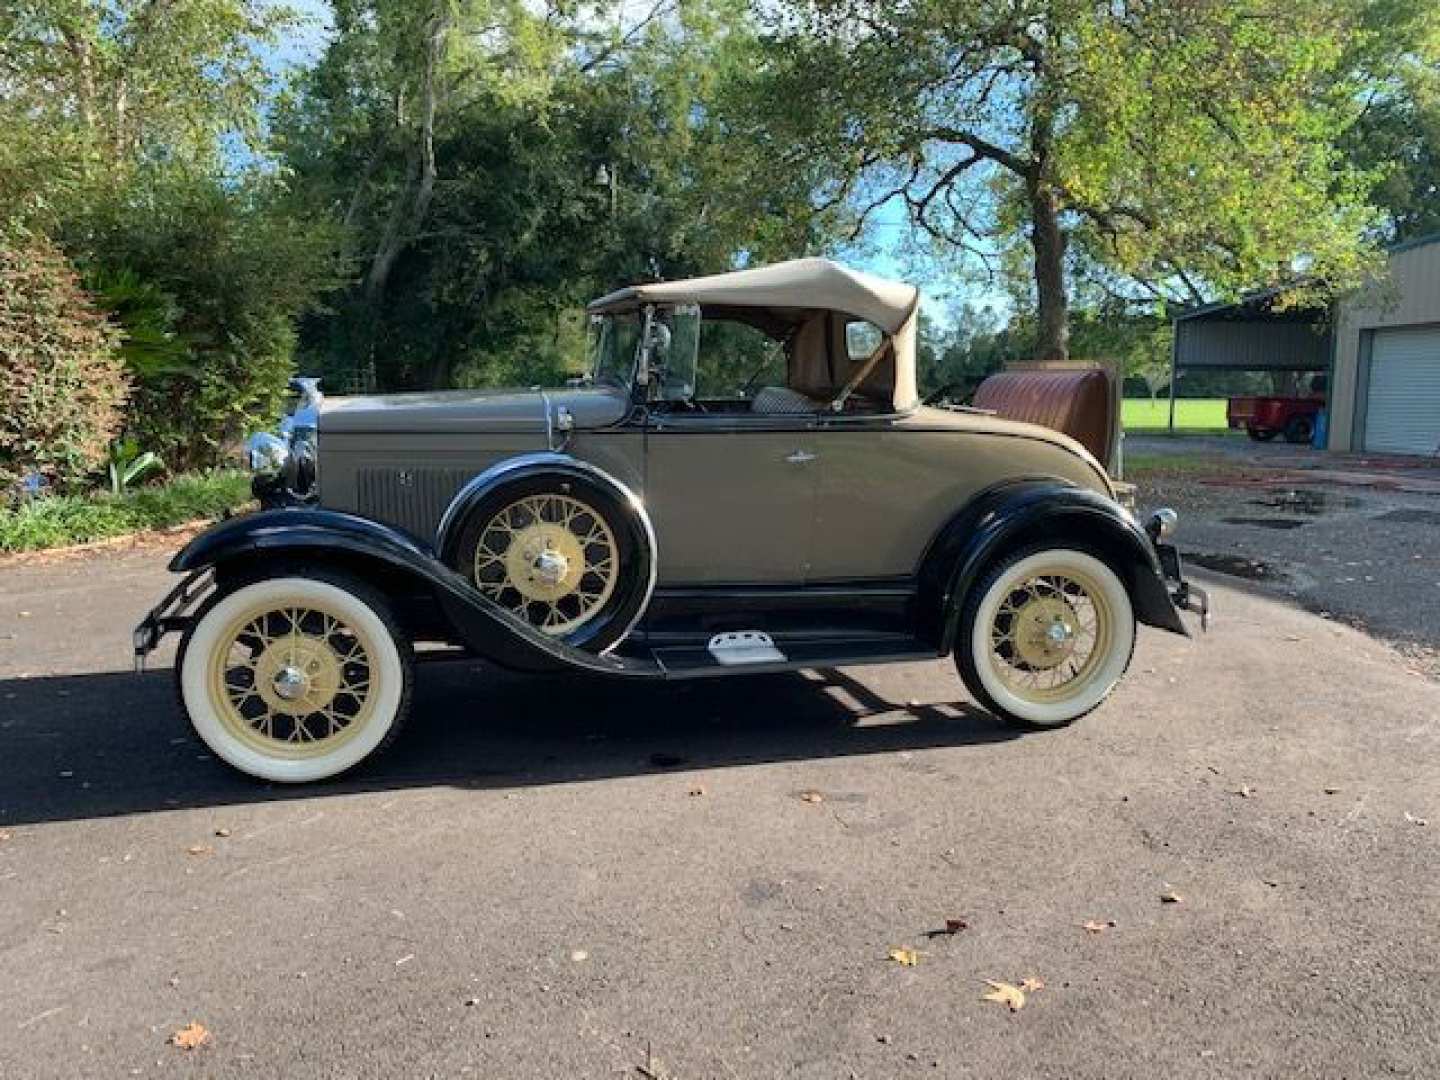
x=61 y=520
x=1192 y=415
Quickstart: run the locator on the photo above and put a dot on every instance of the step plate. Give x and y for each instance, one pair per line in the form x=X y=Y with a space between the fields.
x=744 y=647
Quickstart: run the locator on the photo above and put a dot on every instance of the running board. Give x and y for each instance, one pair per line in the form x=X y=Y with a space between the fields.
x=754 y=651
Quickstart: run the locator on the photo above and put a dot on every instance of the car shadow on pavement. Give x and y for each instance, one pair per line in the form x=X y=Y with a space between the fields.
x=84 y=746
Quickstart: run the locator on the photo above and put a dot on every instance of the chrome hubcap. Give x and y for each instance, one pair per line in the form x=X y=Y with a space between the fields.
x=551 y=567
x=291 y=684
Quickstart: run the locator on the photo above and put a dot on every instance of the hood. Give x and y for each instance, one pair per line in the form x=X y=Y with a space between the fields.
x=475 y=411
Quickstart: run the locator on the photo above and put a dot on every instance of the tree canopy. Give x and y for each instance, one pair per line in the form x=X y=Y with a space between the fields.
x=1175 y=151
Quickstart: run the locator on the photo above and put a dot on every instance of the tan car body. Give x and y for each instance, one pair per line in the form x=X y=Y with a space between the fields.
x=733 y=499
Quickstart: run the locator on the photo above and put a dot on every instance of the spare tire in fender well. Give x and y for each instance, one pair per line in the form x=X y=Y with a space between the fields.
x=519 y=481
x=1025 y=512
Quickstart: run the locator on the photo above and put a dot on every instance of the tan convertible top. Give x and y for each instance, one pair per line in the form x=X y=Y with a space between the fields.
x=806 y=289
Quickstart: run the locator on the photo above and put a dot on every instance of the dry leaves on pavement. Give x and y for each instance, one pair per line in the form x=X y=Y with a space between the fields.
x=1170 y=896
x=811 y=797
x=905 y=957
x=200 y=849
x=1032 y=983
x=1094 y=927
x=191 y=1037
x=1002 y=993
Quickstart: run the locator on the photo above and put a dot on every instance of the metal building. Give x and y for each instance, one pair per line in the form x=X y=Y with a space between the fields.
x=1380 y=345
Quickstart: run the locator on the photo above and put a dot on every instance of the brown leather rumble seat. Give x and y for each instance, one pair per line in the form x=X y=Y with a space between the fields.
x=1080 y=402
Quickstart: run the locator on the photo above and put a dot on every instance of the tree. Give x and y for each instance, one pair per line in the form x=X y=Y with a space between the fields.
x=493 y=166
x=93 y=89
x=1186 y=150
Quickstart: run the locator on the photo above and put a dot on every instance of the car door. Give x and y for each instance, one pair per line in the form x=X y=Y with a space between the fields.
x=732 y=497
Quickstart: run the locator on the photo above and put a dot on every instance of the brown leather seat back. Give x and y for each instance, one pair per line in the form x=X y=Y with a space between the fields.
x=1080 y=402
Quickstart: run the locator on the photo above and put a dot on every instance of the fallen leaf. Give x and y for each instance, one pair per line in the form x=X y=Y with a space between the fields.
x=1244 y=791
x=1094 y=927
x=811 y=797
x=954 y=926
x=1332 y=791
x=1415 y=820
x=4 y=835
x=1012 y=997
x=222 y=833
x=1032 y=983
x=1171 y=897
x=698 y=789
x=905 y=957
x=200 y=849
x=191 y=1037
x=578 y=955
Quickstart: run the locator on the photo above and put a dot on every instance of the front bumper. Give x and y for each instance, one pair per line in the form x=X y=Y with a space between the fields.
x=172 y=615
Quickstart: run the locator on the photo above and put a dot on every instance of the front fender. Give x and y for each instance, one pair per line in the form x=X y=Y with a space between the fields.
x=334 y=538
x=1021 y=513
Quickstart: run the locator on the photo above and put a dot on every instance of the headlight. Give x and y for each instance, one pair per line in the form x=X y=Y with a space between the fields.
x=268 y=453
x=1162 y=524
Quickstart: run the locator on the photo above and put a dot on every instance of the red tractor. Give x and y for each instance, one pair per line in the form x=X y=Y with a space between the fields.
x=1265 y=417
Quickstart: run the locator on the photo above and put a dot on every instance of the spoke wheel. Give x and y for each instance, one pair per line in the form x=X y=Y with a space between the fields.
x=550 y=558
x=293 y=681
x=1049 y=634
x=296 y=677
x=1045 y=636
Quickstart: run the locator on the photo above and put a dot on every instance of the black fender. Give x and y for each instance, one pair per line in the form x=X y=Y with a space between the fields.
x=1023 y=512
x=526 y=466
x=374 y=549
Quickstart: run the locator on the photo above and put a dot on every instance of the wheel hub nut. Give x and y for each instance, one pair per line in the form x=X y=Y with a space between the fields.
x=550 y=567
x=290 y=683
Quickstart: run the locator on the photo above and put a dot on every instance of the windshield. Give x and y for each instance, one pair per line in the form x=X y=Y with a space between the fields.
x=614 y=341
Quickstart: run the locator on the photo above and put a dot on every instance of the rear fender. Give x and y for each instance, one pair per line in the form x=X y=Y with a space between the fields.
x=383 y=553
x=1021 y=513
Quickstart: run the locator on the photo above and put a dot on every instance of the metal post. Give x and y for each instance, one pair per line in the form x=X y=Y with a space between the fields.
x=1174 y=371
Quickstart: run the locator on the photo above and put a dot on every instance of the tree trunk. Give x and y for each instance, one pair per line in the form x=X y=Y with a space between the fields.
x=1048 y=240
x=422 y=168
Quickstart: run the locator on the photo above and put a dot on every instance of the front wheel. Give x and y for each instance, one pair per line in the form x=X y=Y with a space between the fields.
x=1045 y=636
x=296 y=678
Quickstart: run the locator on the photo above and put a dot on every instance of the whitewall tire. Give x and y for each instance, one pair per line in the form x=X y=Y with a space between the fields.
x=1045 y=636
x=296 y=678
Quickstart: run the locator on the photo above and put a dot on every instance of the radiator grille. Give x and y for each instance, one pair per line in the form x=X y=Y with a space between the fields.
x=413 y=499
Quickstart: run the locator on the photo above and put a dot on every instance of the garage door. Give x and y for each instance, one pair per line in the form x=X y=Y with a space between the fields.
x=1403 y=414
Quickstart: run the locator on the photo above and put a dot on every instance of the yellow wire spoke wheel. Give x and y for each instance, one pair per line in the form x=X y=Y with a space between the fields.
x=551 y=559
x=292 y=682
x=296 y=677
x=1047 y=636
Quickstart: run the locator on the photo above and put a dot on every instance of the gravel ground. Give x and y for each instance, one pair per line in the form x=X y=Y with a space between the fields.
x=567 y=878
x=1273 y=516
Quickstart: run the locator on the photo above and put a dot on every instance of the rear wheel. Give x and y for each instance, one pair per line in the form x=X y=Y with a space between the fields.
x=1300 y=429
x=1045 y=636
x=296 y=678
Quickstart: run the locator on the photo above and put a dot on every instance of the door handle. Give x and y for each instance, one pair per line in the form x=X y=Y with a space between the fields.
x=800 y=457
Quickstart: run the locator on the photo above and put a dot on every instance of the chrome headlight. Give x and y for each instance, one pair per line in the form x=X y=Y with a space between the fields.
x=1162 y=523
x=268 y=454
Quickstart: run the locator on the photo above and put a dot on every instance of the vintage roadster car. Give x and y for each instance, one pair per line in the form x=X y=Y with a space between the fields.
x=745 y=481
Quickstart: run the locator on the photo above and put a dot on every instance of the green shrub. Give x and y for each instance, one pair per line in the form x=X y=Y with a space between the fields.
x=59 y=520
x=207 y=280
x=62 y=383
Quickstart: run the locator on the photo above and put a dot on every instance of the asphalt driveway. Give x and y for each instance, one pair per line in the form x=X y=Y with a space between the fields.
x=566 y=878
